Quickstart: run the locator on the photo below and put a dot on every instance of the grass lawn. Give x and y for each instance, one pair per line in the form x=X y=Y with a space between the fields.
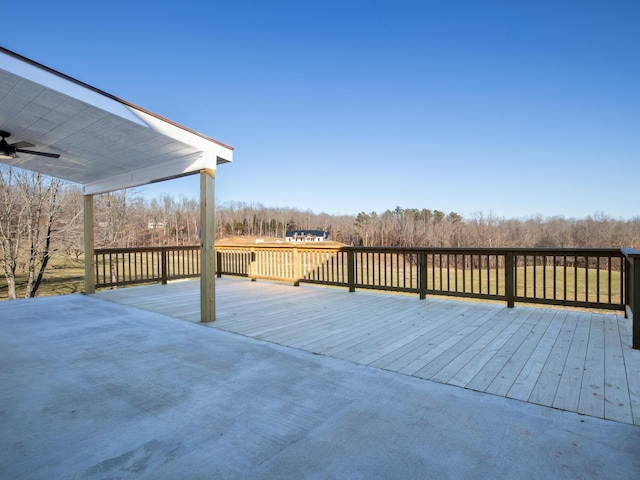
x=63 y=276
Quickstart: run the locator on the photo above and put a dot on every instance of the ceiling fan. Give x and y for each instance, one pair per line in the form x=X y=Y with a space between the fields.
x=12 y=149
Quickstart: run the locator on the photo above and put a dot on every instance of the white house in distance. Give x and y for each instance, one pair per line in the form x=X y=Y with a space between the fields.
x=307 y=236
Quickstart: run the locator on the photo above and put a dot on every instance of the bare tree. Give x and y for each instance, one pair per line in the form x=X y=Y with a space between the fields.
x=12 y=227
x=28 y=214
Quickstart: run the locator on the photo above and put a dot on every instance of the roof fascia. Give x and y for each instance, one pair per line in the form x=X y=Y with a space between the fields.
x=154 y=174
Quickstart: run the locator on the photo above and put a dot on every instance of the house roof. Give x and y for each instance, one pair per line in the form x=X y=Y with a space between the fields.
x=104 y=142
x=317 y=233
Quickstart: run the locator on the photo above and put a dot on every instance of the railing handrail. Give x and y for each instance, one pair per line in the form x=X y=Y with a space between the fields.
x=146 y=249
x=320 y=246
x=630 y=252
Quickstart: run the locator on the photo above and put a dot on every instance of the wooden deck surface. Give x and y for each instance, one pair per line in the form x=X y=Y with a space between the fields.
x=567 y=359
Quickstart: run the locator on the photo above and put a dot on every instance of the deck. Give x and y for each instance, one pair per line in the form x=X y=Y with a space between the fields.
x=578 y=361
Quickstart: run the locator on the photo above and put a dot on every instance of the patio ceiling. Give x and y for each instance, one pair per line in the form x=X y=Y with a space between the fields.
x=104 y=143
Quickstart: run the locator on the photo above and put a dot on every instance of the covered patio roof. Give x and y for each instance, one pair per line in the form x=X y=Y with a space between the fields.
x=104 y=142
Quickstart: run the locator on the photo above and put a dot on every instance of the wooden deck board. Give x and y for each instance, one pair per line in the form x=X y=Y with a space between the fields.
x=488 y=373
x=544 y=390
x=568 y=393
x=591 y=400
x=576 y=361
x=322 y=335
x=366 y=338
x=632 y=369
x=528 y=377
x=481 y=342
x=471 y=370
x=433 y=367
x=617 y=402
x=506 y=378
x=446 y=335
x=437 y=324
x=405 y=326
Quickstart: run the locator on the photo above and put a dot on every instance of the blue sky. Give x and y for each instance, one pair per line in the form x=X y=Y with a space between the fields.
x=514 y=108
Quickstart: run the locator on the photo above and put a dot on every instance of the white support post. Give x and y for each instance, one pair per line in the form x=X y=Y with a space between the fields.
x=207 y=247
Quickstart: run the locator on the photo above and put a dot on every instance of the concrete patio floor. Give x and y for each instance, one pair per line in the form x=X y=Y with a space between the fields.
x=95 y=389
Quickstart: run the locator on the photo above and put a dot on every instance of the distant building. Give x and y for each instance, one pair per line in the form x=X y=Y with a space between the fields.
x=307 y=236
x=152 y=224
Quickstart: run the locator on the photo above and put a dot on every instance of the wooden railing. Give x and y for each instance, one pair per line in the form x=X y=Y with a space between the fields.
x=118 y=267
x=590 y=278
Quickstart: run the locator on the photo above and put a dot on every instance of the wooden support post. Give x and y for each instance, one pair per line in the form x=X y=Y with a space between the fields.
x=509 y=287
x=89 y=255
x=207 y=247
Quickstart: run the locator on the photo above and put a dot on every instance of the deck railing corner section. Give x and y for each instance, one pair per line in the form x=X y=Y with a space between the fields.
x=632 y=292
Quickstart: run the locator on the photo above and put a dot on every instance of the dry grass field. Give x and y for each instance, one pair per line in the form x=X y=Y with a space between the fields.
x=63 y=276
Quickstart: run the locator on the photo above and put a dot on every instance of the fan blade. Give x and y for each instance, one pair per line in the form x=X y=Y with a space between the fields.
x=44 y=154
x=22 y=145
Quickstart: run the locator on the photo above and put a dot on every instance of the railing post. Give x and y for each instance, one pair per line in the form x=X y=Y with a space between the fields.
x=626 y=273
x=351 y=270
x=632 y=293
x=252 y=270
x=219 y=264
x=164 y=262
x=635 y=301
x=296 y=267
x=422 y=266
x=509 y=287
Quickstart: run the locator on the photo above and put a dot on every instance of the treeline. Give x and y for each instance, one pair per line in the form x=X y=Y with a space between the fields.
x=408 y=227
x=41 y=218
x=413 y=227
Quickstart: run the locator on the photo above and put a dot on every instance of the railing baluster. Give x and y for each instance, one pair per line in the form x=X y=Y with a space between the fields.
x=433 y=271
x=488 y=274
x=564 y=277
x=544 y=276
x=464 y=272
x=597 y=279
x=534 y=275
x=455 y=271
x=515 y=260
x=480 y=270
x=576 y=267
